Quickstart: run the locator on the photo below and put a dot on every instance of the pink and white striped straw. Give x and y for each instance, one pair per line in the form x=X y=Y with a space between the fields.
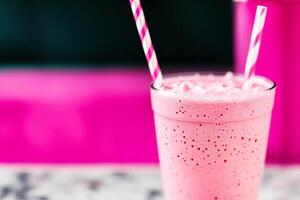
x=143 y=31
x=259 y=22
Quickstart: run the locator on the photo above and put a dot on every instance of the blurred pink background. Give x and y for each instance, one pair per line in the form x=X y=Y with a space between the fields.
x=89 y=117
x=76 y=117
x=105 y=116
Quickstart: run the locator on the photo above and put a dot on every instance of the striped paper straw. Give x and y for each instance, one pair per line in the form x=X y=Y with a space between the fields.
x=260 y=17
x=143 y=31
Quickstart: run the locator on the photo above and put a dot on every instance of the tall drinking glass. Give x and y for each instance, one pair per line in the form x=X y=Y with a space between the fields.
x=212 y=149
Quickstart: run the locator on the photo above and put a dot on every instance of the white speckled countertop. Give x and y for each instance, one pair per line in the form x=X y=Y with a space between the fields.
x=103 y=182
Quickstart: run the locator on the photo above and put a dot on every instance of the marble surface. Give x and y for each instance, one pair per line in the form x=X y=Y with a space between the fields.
x=117 y=183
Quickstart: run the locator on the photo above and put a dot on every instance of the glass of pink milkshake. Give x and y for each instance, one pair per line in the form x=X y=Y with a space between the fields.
x=212 y=135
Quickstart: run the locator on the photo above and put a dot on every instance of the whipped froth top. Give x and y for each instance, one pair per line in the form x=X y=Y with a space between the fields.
x=214 y=87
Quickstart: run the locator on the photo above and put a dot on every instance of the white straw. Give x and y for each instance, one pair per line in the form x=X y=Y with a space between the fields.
x=259 y=22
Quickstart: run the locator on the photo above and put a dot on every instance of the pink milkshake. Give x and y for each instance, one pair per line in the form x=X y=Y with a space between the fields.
x=212 y=135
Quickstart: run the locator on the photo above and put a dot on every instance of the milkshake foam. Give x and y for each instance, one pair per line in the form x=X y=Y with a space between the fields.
x=211 y=87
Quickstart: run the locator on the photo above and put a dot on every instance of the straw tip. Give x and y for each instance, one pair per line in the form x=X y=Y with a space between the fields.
x=262 y=7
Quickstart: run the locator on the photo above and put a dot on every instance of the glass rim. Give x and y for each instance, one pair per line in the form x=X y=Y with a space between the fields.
x=273 y=86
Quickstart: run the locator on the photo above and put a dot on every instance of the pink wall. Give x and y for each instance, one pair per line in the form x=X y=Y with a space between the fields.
x=279 y=60
x=96 y=116
x=76 y=117
x=86 y=116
